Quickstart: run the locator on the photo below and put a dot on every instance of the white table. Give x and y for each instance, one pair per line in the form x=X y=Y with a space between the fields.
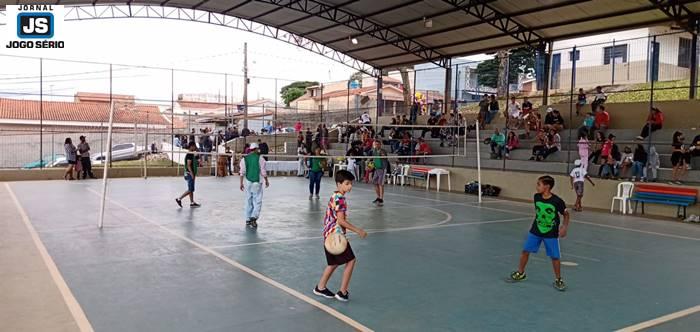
x=438 y=172
x=282 y=166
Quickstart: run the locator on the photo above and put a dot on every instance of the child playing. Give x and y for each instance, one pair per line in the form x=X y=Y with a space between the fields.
x=578 y=176
x=626 y=162
x=545 y=228
x=336 y=216
x=581 y=101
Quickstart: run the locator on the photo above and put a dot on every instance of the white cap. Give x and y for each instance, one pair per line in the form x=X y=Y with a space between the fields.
x=577 y=162
x=549 y=109
x=254 y=146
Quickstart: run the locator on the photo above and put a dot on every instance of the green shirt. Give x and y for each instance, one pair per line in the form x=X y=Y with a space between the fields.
x=252 y=167
x=316 y=165
x=499 y=139
x=378 y=162
x=195 y=162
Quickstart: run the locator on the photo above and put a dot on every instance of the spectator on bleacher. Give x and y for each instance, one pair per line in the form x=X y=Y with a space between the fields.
x=245 y=132
x=394 y=123
x=599 y=100
x=325 y=134
x=680 y=158
x=512 y=143
x=626 y=162
x=484 y=110
x=367 y=144
x=602 y=120
x=493 y=109
x=695 y=146
x=514 y=114
x=234 y=133
x=394 y=140
x=498 y=143
x=365 y=119
x=588 y=125
x=639 y=159
x=583 y=148
x=553 y=144
x=553 y=120
x=526 y=106
x=309 y=138
x=533 y=121
x=610 y=157
x=606 y=149
x=355 y=166
x=580 y=102
x=652 y=168
x=404 y=120
x=298 y=127
x=655 y=121
x=540 y=145
x=596 y=147
x=423 y=149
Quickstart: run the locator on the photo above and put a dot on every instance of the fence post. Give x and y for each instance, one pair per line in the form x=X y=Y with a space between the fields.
x=41 y=113
x=571 y=108
x=612 y=60
x=507 y=111
x=694 y=61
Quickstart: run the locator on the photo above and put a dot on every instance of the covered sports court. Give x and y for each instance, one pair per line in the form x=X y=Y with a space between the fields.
x=432 y=262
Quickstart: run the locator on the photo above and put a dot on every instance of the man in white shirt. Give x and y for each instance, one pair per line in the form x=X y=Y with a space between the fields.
x=514 y=114
x=365 y=119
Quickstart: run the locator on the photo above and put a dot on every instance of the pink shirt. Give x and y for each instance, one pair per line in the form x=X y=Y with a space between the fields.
x=583 y=147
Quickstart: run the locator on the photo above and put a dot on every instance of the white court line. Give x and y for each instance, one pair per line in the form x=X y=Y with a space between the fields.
x=573 y=220
x=391 y=230
x=608 y=247
x=582 y=257
x=73 y=305
x=246 y=269
x=661 y=320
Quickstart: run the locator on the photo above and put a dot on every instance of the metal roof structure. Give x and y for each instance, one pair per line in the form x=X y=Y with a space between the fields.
x=370 y=34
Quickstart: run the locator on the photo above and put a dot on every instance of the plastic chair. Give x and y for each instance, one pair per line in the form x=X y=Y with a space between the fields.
x=624 y=193
x=402 y=175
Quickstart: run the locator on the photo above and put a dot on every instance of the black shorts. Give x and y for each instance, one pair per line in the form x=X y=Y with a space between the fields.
x=341 y=259
x=676 y=158
x=72 y=162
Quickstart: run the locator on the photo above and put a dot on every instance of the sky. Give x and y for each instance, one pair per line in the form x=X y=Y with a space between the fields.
x=159 y=43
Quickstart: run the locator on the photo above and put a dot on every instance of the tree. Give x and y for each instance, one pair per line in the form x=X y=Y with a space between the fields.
x=295 y=90
x=357 y=76
x=522 y=61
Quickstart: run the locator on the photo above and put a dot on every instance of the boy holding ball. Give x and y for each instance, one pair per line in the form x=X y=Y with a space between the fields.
x=336 y=216
x=545 y=229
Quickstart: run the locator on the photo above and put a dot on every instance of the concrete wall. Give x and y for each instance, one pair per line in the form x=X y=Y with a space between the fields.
x=677 y=114
x=521 y=186
x=57 y=173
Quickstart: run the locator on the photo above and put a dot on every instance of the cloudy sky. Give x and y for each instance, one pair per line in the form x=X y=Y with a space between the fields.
x=159 y=43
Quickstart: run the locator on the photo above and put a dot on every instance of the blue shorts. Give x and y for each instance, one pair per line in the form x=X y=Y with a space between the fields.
x=533 y=242
x=190 y=182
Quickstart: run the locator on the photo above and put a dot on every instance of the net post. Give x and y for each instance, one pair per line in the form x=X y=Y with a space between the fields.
x=106 y=162
x=478 y=160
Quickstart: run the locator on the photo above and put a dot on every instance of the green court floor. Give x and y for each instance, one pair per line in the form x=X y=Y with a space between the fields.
x=432 y=261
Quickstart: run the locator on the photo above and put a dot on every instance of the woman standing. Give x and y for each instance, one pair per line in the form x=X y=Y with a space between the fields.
x=679 y=158
x=71 y=157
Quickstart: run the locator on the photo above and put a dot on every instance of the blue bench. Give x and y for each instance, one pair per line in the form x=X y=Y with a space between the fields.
x=655 y=194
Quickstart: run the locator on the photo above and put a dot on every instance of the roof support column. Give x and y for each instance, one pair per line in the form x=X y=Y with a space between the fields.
x=694 y=63
x=447 y=104
x=547 y=73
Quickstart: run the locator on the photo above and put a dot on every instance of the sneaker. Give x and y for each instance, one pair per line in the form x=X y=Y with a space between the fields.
x=679 y=183
x=179 y=202
x=311 y=197
x=517 y=276
x=380 y=203
x=376 y=201
x=559 y=285
x=640 y=138
x=254 y=222
x=194 y=205
x=342 y=297
x=247 y=223
x=317 y=197
x=324 y=293
x=671 y=182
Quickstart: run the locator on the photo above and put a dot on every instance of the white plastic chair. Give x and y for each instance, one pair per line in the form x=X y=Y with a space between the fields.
x=402 y=175
x=624 y=193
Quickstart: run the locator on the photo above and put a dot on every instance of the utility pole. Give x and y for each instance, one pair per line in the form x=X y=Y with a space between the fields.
x=245 y=85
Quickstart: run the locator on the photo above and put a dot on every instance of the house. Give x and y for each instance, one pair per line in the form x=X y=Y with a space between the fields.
x=88 y=110
x=633 y=54
x=337 y=97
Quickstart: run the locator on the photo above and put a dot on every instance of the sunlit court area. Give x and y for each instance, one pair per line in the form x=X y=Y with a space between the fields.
x=331 y=165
